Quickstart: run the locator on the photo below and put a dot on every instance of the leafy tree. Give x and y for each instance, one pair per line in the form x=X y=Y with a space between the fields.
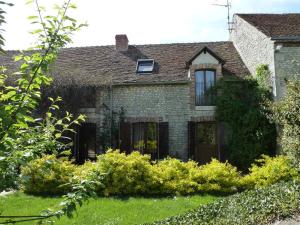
x=286 y=113
x=240 y=105
x=22 y=136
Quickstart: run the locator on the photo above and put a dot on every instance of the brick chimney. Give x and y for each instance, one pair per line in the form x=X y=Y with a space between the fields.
x=121 y=42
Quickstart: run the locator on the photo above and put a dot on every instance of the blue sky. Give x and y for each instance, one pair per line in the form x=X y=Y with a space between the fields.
x=144 y=22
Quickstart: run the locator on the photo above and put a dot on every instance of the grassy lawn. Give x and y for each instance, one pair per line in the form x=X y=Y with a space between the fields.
x=132 y=210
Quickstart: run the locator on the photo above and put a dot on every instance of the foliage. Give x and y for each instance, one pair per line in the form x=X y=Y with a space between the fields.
x=286 y=113
x=124 y=174
x=269 y=170
x=2 y=21
x=24 y=137
x=218 y=177
x=175 y=176
x=47 y=175
x=258 y=206
x=19 y=129
x=116 y=173
x=240 y=105
x=263 y=77
x=110 y=128
x=136 y=174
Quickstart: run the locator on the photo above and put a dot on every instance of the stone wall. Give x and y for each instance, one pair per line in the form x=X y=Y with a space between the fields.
x=287 y=65
x=254 y=47
x=162 y=103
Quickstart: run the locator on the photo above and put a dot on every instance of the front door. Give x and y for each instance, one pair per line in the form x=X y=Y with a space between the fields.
x=86 y=142
x=206 y=146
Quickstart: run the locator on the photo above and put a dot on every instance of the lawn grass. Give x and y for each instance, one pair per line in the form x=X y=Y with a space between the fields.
x=131 y=210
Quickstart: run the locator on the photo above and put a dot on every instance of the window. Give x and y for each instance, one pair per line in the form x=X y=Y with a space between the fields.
x=145 y=136
x=206 y=133
x=145 y=66
x=204 y=81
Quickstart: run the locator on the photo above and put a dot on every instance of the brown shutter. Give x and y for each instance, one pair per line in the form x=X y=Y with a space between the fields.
x=191 y=139
x=163 y=150
x=125 y=137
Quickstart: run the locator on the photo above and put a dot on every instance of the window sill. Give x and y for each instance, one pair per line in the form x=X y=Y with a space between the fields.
x=205 y=108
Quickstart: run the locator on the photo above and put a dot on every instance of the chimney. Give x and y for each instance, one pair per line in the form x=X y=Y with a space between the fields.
x=121 y=42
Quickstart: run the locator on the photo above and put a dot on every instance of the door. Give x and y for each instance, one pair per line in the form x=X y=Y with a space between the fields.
x=86 y=142
x=206 y=146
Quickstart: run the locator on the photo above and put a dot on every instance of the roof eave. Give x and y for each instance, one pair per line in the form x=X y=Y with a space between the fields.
x=286 y=38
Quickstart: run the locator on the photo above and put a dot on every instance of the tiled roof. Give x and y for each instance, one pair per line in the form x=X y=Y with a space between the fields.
x=100 y=65
x=275 y=25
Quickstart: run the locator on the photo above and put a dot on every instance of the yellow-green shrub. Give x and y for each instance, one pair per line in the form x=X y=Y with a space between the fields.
x=47 y=175
x=218 y=177
x=175 y=176
x=125 y=174
x=269 y=170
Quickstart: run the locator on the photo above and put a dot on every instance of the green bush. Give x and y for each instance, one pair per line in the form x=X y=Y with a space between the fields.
x=218 y=177
x=47 y=175
x=124 y=174
x=136 y=174
x=269 y=170
x=286 y=113
x=175 y=176
x=116 y=173
x=258 y=206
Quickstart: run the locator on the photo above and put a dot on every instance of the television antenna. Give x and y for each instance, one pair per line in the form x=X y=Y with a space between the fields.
x=228 y=6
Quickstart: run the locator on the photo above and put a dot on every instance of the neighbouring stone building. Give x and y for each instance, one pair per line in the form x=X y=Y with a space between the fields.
x=272 y=39
x=155 y=98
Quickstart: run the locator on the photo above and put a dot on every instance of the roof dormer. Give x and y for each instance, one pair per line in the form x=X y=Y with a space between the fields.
x=205 y=56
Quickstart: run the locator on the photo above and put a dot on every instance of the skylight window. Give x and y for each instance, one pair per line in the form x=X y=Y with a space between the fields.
x=145 y=66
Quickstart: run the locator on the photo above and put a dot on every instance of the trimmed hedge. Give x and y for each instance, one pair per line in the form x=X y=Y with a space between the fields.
x=119 y=174
x=258 y=206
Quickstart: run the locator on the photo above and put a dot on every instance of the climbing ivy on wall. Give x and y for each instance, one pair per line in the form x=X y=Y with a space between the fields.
x=240 y=105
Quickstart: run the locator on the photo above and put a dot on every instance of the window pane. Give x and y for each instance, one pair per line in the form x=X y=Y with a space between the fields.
x=210 y=82
x=145 y=66
x=138 y=136
x=199 y=77
x=210 y=79
x=145 y=137
x=206 y=133
x=151 y=139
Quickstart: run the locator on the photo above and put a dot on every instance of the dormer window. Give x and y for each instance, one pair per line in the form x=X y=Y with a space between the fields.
x=145 y=66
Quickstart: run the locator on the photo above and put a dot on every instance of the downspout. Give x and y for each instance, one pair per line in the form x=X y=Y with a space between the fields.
x=111 y=112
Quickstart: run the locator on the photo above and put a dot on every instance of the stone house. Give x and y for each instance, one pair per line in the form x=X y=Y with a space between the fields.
x=272 y=39
x=155 y=98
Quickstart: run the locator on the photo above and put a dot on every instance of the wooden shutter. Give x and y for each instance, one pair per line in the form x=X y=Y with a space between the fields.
x=191 y=139
x=163 y=150
x=125 y=137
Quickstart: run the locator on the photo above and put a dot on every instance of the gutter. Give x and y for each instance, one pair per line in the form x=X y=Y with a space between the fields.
x=286 y=38
x=150 y=83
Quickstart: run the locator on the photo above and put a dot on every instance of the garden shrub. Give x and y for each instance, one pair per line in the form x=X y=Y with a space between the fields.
x=269 y=170
x=218 y=177
x=175 y=176
x=125 y=174
x=258 y=206
x=115 y=173
x=249 y=131
x=286 y=113
x=47 y=175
